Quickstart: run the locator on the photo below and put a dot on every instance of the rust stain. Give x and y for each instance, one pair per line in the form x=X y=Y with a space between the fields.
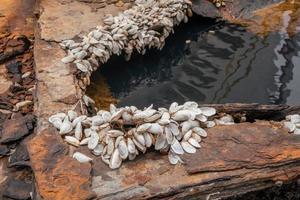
x=281 y=17
x=17 y=16
x=101 y=94
x=57 y=175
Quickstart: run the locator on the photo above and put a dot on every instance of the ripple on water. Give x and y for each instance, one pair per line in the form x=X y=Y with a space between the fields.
x=226 y=64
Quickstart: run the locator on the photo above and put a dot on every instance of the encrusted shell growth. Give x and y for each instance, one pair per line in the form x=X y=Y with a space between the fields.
x=109 y=134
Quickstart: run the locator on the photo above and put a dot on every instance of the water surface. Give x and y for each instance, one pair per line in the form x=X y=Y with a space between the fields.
x=222 y=63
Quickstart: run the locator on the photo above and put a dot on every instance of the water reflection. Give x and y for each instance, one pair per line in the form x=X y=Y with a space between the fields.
x=227 y=65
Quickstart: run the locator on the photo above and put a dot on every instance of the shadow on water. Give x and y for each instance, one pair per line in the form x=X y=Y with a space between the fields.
x=222 y=63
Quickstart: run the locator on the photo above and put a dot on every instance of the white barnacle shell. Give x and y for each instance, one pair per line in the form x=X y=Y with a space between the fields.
x=187 y=147
x=116 y=115
x=295 y=118
x=123 y=149
x=110 y=145
x=97 y=151
x=194 y=142
x=78 y=119
x=93 y=141
x=290 y=126
x=72 y=115
x=97 y=120
x=183 y=115
x=155 y=128
x=66 y=127
x=170 y=137
x=148 y=139
x=160 y=142
x=201 y=118
x=80 y=157
x=139 y=137
x=190 y=105
x=72 y=140
x=68 y=59
x=176 y=147
x=139 y=146
x=174 y=107
x=187 y=125
x=200 y=131
x=58 y=115
x=174 y=129
x=208 y=111
x=85 y=141
x=210 y=124
x=131 y=146
x=142 y=128
x=187 y=135
x=115 y=160
x=78 y=131
x=115 y=133
x=173 y=158
x=82 y=67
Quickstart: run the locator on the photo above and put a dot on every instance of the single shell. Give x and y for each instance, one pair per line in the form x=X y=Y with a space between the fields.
x=201 y=118
x=142 y=128
x=297 y=131
x=68 y=59
x=177 y=148
x=290 y=126
x=72 y=115
x=72 y=140
x=173 y=158
x=140 y=138
x=208 y=111
x=130 y=146
x=57 y=122
x=115 y=116
x=97 y=151
x=210 y=124
x=110 y=146
x=174 y=129
x=174 y=108
x=115 y=133
x=193 y=142
x=78 y=131
x=78 y=119
x=66 y=127
x=97 y=120
x=93 y=141
x=123 y=150
x=160 y=142
x=85 y=141
x=200 y=131
x=183 y=115
x=148 y=140
x=155 y=128
x=169 y=136
x=81 y=157
x=139 y=146
x=60 y=116
x=131 y=156
x=188 y=147
x=115 y=160
x=187 y=135
x=190 y=105
x=187 y=125
x=295 y=118
x=152 y=118
x=196 y=137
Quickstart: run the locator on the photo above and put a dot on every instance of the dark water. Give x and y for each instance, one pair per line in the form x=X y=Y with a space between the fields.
x=223 y=63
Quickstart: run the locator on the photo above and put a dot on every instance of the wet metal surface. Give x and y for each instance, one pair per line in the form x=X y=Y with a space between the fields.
x=228 y=64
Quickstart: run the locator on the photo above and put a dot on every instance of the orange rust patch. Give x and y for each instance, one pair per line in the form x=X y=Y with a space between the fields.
x=101 y=94
x=57 y=175
x=283 y=17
